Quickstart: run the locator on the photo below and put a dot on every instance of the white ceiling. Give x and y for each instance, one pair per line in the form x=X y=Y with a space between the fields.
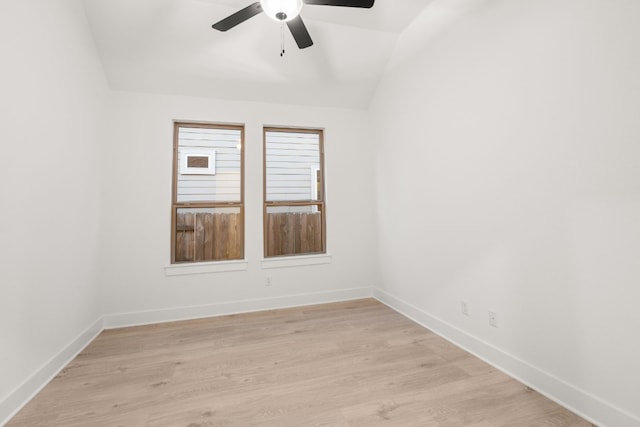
x=169 y=47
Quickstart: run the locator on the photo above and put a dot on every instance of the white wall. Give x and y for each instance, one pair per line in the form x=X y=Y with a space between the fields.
x=52 y=94
x=508 y=148
x=138 y=199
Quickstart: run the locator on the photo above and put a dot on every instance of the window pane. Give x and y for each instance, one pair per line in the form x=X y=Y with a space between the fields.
x=292 y=166
x=208 y=234
x=209 y=162
x=294 y=230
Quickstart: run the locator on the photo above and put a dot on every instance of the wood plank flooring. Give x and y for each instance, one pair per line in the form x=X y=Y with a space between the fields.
x=354 y=363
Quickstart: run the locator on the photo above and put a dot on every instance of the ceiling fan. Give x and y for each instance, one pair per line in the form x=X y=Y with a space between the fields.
x=286 y=11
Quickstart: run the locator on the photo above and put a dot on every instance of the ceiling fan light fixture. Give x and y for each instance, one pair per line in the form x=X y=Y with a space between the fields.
x=281 y=10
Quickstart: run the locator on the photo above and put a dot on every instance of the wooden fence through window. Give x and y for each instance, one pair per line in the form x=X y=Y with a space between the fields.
x=207 y=236
x=293 y=233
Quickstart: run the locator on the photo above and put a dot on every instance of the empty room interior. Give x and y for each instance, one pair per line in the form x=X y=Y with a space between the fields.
x=460 y=244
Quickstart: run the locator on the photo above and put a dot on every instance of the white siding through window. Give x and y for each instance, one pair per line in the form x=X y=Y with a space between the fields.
x=224 y=186
x=292 y=159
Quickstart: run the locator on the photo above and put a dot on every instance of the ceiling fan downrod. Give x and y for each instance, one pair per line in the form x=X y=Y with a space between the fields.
x=282 y=39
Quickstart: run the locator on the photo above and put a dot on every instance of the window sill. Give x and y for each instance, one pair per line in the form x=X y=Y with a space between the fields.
x=296 y=261
x=205 y=267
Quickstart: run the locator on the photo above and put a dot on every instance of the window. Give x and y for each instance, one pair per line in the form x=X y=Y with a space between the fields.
x=294 y=206
x=207 y=213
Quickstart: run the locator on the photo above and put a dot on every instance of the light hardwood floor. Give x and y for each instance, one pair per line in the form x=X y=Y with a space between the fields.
x=355 y=363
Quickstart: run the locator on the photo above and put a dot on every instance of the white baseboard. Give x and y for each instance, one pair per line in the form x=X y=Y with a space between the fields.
x=586 y=405
x=41 y=377
x=121 y=320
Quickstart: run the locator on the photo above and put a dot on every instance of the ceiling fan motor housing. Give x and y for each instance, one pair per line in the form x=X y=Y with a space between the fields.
x=281 y=10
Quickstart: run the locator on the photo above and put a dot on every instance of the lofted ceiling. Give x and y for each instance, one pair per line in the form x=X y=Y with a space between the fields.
x=169 y=47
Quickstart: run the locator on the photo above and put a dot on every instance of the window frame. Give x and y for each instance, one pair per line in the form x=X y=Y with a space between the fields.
x=321 y=203
x=175 y=205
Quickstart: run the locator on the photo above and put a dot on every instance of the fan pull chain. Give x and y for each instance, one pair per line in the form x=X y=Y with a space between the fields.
x=282 y=38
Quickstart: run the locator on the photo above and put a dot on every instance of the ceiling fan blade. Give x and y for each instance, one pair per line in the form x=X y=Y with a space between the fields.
x=299 y=32
x=346 y=3
x=238 y=17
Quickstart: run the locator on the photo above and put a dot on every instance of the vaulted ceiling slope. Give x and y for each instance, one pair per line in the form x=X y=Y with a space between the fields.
x=169 y=47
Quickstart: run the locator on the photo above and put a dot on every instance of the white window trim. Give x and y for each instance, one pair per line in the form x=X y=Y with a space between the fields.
x=242 y=265
x=296 y=261
x=189 y=268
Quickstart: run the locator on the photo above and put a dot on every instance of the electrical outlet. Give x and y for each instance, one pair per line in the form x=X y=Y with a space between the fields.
x=464 y=307
x=493 y=319
x=267 y=281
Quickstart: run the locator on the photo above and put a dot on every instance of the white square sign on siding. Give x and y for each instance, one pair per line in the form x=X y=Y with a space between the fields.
x=198 y=163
